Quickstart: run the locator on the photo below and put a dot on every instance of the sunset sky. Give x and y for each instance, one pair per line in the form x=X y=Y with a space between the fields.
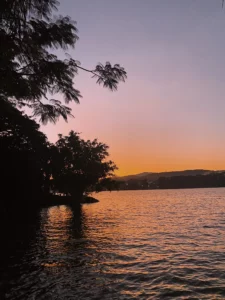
x=170 y=114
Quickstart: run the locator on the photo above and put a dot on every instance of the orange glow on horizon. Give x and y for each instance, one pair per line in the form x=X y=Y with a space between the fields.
x=129 y=166
x=169 y=115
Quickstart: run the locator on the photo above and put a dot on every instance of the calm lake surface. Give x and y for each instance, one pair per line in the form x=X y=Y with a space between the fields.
x=167 y=244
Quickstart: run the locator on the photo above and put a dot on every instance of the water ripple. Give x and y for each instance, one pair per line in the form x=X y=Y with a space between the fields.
x=131 y=245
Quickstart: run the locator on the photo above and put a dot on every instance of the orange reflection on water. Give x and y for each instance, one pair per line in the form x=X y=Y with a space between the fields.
x=57 y=230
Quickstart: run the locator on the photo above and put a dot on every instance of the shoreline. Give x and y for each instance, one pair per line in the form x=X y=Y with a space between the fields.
x=55 y=200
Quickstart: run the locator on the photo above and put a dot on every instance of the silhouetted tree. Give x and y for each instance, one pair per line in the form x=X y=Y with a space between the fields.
x=30 y=74
x=81 y=165
x=24 y=157
x=105 y=184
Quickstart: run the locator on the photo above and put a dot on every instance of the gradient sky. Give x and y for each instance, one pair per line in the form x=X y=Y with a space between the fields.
x=170 y=114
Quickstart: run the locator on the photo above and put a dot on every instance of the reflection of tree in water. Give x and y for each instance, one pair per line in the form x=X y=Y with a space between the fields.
x=70 y=258
x=38 y=248
x=18 y=234
x=78 y=223
x=59 y=259
x=61 y=227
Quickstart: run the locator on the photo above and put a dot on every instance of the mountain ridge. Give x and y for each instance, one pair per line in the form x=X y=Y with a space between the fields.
x=155 y=175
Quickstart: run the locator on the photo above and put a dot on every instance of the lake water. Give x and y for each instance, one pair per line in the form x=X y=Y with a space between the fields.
x=167 y=244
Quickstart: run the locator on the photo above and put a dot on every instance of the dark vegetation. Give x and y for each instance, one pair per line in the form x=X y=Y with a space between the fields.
x=30 y=74
x=34 y=169
x=173 y=180
x=31 y=78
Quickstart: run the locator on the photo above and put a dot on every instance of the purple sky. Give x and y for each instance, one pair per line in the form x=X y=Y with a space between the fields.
x=170 y=114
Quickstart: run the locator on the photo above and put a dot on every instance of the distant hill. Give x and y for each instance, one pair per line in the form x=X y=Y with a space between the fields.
x=172 y=180
x=151 y=176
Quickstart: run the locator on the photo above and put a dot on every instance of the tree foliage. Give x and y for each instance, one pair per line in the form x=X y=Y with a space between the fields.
x=31 y=166
x=30 y=74
x=24 y=159
x=81 y=165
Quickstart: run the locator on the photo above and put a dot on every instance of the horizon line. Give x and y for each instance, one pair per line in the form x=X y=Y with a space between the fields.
x=183 y=170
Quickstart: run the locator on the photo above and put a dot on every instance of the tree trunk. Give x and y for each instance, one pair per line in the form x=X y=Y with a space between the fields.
x=77 y=197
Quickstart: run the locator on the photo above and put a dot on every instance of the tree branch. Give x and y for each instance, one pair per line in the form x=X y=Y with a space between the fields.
x=90 y=71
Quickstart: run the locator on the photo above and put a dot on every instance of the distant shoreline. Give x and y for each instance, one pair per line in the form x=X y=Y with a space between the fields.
x=187 y=188
x=176 y=180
